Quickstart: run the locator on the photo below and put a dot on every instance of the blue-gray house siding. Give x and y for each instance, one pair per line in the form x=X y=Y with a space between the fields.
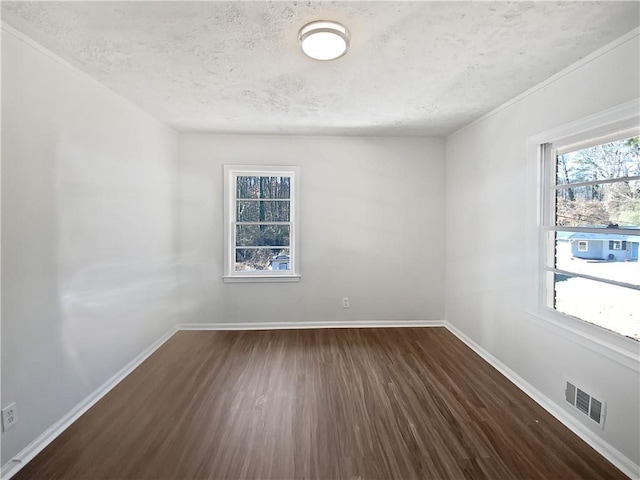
x=602 y=246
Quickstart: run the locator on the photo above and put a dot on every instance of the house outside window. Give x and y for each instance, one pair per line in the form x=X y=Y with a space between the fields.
x=617 y=245
x=261 y=224
x=591 y=226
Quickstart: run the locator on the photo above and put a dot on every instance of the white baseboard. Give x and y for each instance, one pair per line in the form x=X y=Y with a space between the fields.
x=604 y=448
x=50 y=434
x=311 y=325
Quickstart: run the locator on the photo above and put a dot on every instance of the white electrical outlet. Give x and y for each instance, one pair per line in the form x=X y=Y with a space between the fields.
x=345 y=302
x=9 y=417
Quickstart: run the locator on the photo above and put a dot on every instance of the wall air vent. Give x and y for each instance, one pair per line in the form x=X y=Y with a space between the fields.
x=585 y=403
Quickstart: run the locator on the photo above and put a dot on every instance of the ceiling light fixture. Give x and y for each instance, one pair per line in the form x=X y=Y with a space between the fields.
x=324 y=40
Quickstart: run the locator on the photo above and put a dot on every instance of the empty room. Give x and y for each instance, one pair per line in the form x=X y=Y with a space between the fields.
x=320 y=240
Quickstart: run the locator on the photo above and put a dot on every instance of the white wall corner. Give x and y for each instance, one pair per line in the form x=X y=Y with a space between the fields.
x=601 y=446
x=627 y=37
x=72 y=69
x=14 y=465
x=41 y=442
x=626 y=465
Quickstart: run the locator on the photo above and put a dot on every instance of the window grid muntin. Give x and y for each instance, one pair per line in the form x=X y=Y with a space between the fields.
x=232 y=197
x=550 y=156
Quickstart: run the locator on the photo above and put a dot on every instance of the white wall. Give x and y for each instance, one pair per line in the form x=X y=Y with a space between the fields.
x=87 y=237
x=492 y=252
x=90 y=246
x=371 y=229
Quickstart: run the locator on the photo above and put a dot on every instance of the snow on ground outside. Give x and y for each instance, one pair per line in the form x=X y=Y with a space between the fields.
x=609 y=306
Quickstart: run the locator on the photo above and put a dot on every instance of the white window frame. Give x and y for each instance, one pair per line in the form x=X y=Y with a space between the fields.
x=231 y=172
x=610 y=344
x=549 y=152
x=616 y=244
x=583 y=245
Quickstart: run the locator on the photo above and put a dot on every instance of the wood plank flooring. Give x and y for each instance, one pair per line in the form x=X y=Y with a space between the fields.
x=317 y=404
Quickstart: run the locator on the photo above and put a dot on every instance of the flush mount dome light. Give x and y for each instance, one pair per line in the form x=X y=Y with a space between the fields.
x=323 y=40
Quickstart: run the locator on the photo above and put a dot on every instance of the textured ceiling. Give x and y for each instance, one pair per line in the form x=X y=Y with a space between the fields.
x=421 y=68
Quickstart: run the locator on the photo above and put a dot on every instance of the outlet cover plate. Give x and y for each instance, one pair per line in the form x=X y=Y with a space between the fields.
x=9 y=417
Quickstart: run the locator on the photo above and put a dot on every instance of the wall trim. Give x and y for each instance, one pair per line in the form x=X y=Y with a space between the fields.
x=28 y=41
x=312 y=325
x=599 y=125
x=626 y=465
x=36 y=446
x=623 y=116
x=604 y=448
x=50 y=434
x=627 y=37
x=614 y=346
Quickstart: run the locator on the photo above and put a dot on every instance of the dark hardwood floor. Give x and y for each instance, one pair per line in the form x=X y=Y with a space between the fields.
x=325 y=404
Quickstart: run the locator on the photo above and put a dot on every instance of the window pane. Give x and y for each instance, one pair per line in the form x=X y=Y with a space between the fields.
x=251 y=259
x=612 y=307
x=610 y=256
x=263 y=187
x=610 y=160
x=262 y=211
x=262 y=235
x=599 y=205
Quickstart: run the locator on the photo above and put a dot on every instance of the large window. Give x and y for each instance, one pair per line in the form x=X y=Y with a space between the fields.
x=260 y=223
x=592 y=230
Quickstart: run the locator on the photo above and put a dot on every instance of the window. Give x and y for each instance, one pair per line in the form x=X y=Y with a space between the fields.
x=592 y=230
x=260 y=223
x=617 y=245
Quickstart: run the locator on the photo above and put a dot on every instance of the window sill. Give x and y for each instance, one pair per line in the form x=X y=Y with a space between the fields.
x=262 y=279
x=614 y=346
